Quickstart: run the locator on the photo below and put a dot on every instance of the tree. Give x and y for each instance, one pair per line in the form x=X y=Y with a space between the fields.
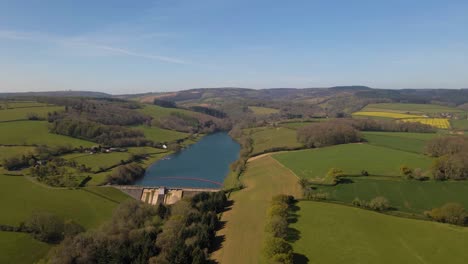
x=406 y=171
x=276 y=246
x=453 y=213
x=46 y=227
x=379 y=203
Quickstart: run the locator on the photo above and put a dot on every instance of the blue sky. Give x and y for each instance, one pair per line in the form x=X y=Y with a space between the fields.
x=141 y=46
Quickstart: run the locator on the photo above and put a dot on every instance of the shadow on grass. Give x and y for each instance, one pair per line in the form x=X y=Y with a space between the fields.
x=300 y=259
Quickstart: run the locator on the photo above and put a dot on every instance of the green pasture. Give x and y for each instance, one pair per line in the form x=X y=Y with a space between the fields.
x=258 y=110
x=330 y=233
x=405 y=195
x=266 y=138
x=352 y=159
x=459 y=124
x=99 y=161
x=21 y=104
x=21 y=248
x=35 y=133
x=157 y=111
x=411 y=142
x=157 y=134
x=8 y=152
x=411 y=108
x=20 y=197
x=22 y=113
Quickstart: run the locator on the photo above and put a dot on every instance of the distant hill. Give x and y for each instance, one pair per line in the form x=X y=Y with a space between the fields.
x=57 y=94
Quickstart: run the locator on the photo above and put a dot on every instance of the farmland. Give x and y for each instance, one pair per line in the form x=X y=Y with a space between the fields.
x=411 y=142
x=22 y=113
x=99 y=161
x=330 y=233
x=14 y=245
x=258 y=110
x=245 y=222
x=407 y=196
x=35 y=133
x=442 y=123
x=410 y=108
x=21 y=197
x=460 y=124
x=88 y=206
x=384 y=114
x=8 y=152
x=161 y=135
x=267 y=138
x=352 y=159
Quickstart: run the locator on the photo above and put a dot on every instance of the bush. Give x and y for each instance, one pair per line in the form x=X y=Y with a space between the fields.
x=46 y=227
x=379 y=204
x=277 y=226
x=277 y=246
x=453 y=213
x=320 y=196
x=406 y=171
x=364 y=173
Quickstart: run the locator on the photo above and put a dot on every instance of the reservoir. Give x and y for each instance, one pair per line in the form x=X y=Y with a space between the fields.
x=204 y=164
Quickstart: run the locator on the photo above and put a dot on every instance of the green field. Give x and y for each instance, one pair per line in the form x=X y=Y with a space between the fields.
x=8 y=152
x=330 y=233
x=89 y=207
x=410 y=108
x=411 y=142
x=459 y=124
x=157 y=112
x=22 y=113
x=245 y=222
x=407 y=196
x=21 y=104
x=99 y=161
x=35 y=133
x=258 y=110
x=157 y=134
x=266 y=138
x=21 y=248
x=352 y=159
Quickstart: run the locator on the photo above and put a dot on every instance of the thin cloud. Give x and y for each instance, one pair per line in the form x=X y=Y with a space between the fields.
x=33 y=36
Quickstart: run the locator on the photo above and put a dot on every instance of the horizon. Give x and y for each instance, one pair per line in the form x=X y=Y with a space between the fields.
x=118 y=47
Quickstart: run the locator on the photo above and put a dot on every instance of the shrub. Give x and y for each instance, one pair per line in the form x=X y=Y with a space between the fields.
x=364 y=173
x=453 y=213
x=276 y=246
x=277 y=226
x=379 y=204
x=406 y=171
x=46 y=227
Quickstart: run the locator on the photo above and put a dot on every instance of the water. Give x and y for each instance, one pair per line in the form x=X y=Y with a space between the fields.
x=203 y=164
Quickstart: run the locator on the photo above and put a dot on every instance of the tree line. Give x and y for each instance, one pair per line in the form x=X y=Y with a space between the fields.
x=141 y=233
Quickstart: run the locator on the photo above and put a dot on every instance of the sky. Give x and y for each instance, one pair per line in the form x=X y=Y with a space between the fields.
x=140 y=46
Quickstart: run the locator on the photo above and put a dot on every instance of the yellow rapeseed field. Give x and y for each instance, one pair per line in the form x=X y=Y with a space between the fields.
x=385 y=114
x=435 y=122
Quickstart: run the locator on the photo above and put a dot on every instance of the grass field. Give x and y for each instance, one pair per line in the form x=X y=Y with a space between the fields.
x=411 y=108
x=411 y=142
x=99 y=161
x=21 y=104
x=20 y=248
x=435 y=122
x=245 y=222
x=384 y=114
x=21 y=197
x=273 y=137
x=406 y=196
x=352 y=159
x=459 y=124
x=35 y=133
x=22 y=113
x=330 y=233
x=157 y=134
x=157 y=112
x=8 y=152
x=257 y=110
